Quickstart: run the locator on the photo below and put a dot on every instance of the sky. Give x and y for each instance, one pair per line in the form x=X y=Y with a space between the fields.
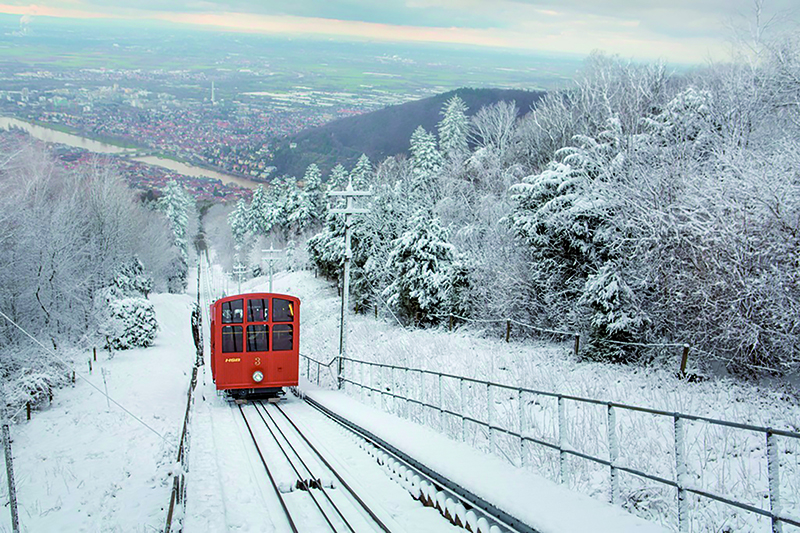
x=679 y=31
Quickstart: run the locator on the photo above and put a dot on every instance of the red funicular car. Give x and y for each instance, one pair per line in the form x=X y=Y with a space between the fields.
x=255 y=343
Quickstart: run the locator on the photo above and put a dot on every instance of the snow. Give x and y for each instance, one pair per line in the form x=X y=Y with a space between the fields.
x=83 y=466
x=540 y=503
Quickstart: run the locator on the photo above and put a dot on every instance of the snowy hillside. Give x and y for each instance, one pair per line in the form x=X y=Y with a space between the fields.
x=84 y=465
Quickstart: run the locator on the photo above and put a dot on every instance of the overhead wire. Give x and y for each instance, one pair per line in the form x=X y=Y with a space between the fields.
x=58 y=359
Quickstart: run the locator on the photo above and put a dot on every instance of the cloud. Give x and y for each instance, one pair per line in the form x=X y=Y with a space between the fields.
x=682 y=30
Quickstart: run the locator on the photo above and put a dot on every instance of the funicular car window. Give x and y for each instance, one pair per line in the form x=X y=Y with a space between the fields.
x=233 y=312
x=281 y=337
x=231 y=339
x=257 y=338
x=256 y=310
x=282 y=310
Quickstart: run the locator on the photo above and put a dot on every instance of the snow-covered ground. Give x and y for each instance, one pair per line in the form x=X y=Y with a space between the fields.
x=84 y=466
x=721 y=460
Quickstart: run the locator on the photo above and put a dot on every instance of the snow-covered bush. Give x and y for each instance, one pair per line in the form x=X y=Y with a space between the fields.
x=130 y=323
x=132 y=280
x=29 y=385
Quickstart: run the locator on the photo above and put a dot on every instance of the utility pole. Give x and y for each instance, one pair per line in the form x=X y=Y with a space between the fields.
x=271 y=257
x=239 y=269
x=348 y=211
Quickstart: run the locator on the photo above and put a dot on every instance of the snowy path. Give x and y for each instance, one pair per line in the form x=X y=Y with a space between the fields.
x=81 y=466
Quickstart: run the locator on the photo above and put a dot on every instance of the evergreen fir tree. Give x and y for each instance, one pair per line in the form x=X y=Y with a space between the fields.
x=454 y=128
x=239 y=222
x=337 y=181
x=362 y=174
x=426 y=162
x=259 y=219
x=421 y=259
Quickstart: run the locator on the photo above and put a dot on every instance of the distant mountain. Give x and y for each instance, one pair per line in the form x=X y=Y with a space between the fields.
x=381 y=133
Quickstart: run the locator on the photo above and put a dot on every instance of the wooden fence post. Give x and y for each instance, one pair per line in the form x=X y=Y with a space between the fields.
x=508 y=330
x=684 y=359
x=577 y=343
x=12 y=491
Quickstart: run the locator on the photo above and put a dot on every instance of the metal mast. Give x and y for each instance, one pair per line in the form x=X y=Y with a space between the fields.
x=348 y=211
x=271 y=257
x=239 y=269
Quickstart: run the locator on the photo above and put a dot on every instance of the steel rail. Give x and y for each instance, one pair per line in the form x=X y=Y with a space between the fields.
x=303 y=463
x=469 y=499
x=335 y=472
x=269 y=473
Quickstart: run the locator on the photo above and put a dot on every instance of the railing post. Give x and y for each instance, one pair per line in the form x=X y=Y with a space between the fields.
x=318 y=368
x=773 y=474
x=441 y=406
x=422 y=400
x=361 y=380
x=394 y=390
x=577 y=343
x=680 y=475
x=508 y=330
x=408 y=395
x=308 y=369
x=372 y=386
x=489 y=416
x=380 y=387
x=521 y=428
x=463 y=412
x=613 y=453
x=562 y=440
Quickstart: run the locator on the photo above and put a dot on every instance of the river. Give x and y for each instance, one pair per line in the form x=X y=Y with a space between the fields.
x=54 y=136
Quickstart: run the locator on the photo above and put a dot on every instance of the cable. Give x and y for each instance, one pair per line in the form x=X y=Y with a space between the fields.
x=67 y=365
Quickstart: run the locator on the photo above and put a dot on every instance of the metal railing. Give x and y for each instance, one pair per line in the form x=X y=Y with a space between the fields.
x=399 y=389
x=319 y=365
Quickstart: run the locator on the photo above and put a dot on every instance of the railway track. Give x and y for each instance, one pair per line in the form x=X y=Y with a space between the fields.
x=456 y=504
x=318 y=497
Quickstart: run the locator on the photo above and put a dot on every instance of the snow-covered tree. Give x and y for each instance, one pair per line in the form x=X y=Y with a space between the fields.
x=426 y=162
x=259 y=216
x=131 y=279
x=454 y=129
x=314 y=190
x=337 y=181
x=362 y=173
x=130 y=323
x=421 y=261
x=176 y=203
x=239 y=221
x=178 y=206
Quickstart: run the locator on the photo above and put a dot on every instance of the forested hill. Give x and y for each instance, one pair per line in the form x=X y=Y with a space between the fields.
x=381 y=133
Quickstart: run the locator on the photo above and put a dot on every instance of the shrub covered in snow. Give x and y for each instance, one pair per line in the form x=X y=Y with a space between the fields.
x=130 y=323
